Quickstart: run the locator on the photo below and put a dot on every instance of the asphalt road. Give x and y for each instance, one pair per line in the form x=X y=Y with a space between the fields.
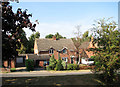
x=45 y=73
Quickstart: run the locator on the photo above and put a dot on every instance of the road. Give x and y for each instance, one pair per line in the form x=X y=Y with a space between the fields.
x=45 y=73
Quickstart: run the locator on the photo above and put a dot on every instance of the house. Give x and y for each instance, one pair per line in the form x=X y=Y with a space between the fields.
x=83 y=50
x=45 y=48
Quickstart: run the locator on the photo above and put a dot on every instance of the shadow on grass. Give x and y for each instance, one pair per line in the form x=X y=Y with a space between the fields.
x=56 y=81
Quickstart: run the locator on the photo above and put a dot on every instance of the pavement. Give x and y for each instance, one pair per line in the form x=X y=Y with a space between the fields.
x=44 y=73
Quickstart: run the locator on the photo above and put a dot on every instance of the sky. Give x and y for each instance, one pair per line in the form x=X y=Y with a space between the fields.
x=63 y=17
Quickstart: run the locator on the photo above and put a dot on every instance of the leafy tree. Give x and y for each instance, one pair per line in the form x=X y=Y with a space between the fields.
x=57 y=35
x=52 y=62
x=29 y=64
x=23 y=44
x=30 y=47
x=49 y=36
x=59 y=64
x=12 y=24
x=86 y=37
x=107 y=58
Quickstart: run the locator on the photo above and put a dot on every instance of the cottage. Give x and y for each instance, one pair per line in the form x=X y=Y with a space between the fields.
x=83 y=50
x=45 y=48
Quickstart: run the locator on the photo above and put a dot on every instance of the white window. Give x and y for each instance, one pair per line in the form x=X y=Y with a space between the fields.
x=65 y=59
x=51 y=51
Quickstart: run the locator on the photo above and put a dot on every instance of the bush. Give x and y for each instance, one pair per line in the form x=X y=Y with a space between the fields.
x=52 y=62
x=29 y=65
x=59 y=64
x=64 y=64
x=75 y=67
x=13 y=69
x=70 y=67
x=49 y=67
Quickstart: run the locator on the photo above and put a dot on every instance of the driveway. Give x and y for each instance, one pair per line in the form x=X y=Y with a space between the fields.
x=45 y=73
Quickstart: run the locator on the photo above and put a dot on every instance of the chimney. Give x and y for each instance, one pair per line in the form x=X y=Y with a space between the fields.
x=54 y=38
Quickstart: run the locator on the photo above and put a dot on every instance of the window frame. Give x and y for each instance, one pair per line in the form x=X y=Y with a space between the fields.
x=65 y=51
x=51 y=51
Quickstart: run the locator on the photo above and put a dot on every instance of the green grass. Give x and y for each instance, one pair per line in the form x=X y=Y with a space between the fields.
x=88 y=79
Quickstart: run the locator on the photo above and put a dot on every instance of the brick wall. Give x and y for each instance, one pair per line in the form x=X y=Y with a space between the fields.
x=5 y=63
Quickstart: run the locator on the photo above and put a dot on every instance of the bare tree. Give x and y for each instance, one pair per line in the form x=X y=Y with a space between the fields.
x=78 y=33
x=77 y=40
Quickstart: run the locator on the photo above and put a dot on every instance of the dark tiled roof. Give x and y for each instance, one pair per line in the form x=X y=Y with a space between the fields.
x=46 y=44
x=38 y=57
x=84 y=45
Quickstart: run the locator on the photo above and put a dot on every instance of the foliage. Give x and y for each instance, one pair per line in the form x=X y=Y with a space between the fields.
x=107 y=58
x=48 y=67
x=70 y=67
x=12 y=25
x=75 y=67
x=49 y=36
x=52 y=62
x=59 y=64
x=13 y=69
x=30 y=47
x=64 y=64
x=86 y=37
x=29 y=64
x=57 y=35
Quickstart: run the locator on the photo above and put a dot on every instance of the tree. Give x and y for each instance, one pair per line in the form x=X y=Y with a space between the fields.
x=57 y=35
x=86 y=37
x=49 y=36
x=30 y=47
x=52 y=62
x=29 y=64
x=22 y=45
x=12 y=24
x=107 y=55
x=59 y=64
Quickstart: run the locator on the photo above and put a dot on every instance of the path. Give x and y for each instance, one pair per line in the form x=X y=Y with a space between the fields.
x=45 y=73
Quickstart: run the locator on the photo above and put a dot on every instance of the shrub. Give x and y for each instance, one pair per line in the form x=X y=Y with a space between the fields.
x=64 y=64
x=70 y=67
x=48 y=67
x=75 y=67
x=52 y=62
x=29 y=65
x=13 y=69
x=59 y=64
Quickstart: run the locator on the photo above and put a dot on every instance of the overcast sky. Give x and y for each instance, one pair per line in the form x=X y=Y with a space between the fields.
x=62 y=17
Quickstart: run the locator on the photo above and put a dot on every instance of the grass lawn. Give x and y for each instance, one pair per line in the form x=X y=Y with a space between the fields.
x=88 y=79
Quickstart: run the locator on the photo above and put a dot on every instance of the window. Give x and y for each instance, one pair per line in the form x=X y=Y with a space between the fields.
x=65 y=59
x=51 y=51
x=64 y=51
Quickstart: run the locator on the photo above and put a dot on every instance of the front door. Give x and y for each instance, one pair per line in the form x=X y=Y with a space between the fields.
x=71 y=60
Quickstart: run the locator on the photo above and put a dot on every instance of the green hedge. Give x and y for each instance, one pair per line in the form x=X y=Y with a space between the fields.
x=49 y=67
x=70 y=67
x=13 y=69
x=75 y=67
x=29 y=64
